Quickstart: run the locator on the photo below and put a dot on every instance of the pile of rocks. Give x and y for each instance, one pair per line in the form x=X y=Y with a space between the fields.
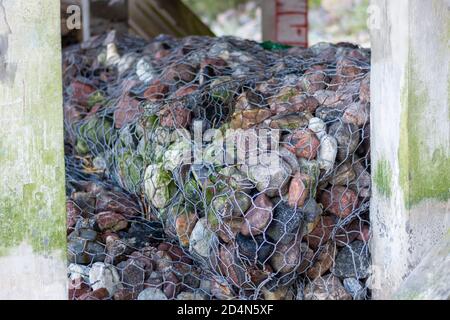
x=149 y=220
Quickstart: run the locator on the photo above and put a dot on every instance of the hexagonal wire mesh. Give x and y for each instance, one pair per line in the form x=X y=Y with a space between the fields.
x=169 y=195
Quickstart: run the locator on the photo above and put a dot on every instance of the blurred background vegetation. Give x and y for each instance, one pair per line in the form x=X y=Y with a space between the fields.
x=330 y=20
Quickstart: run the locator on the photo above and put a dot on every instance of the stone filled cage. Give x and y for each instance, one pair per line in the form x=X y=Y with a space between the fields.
x=217 y=168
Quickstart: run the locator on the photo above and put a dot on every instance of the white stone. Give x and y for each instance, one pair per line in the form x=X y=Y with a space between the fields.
x=327 y=152
x=201 y=238
x=105 y=276
x=152 y=294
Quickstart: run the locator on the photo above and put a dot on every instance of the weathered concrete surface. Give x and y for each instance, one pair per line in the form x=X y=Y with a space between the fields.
x=430 y=279
x=410 y=136
x=32 y=199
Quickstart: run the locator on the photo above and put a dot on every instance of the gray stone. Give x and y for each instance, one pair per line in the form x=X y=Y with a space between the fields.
x=355 y=289
x=353 y=261
x=133 y=272
x=82 y=251
x=196 y=295
x=231 y=203
x=285 y=224
x=78 y=271
x=328 y=287
x=201 y=238
x=272 y=179
x=145 y=71
x=152 y=294
x=347 y=137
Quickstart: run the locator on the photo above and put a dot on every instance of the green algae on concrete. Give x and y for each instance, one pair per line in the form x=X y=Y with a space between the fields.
x=383 y=177
x=32 y=192
x=424 y=173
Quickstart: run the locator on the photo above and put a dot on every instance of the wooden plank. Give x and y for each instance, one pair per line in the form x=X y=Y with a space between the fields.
x=149 y=18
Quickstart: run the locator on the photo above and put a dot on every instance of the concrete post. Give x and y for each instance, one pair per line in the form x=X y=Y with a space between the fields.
x=32 y=194
x=410 y=116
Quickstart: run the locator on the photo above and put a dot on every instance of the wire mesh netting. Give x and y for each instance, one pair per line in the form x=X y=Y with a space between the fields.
x=213 y=168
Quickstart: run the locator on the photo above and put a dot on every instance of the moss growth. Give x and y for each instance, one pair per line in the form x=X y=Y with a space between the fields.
x=383 y=177
x=424 y=173
x=32 y=193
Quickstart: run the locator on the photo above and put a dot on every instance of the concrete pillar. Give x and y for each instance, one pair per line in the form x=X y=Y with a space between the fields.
x=410 y=116
x=32 y=194
x=430 y=279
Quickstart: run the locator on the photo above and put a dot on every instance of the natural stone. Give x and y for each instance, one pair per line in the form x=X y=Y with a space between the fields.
x=353 y=261
x=323 y=262
x=152 y=294
x=270 y=179
x=258 y=217
x=111 y=221
x=201 y=238
x=104 y=276
x=340 y=201
x=328 y=287
x=303 y=143
x=299 y=189
x=285 y=224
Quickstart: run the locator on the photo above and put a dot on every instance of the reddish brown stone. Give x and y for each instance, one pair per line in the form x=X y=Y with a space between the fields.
x=364 y=90
x=179 y=72
x=214 y=62
x=364 y=234
x=348 y=69
x=247 y=119
x=307 y=258
x=323 y=262
x=128 y=109
x=321 y=234
x=258 y=216
x=314 y=79
x=357 y=114
x=185 y=90
x=77 y=288
x=228 y=230
x=176 y=253
x=73 y=113
x=339 y=201
x=228 y=266
x=171 y=285
x=111 y=221
x=304 y=103
x=73 y=213
x=117 y=202
x=257 y=276
x=145 y=260
x=299 y=189
x=125 y=294
x=156 y=91
x=303 y=143
x=99 y=294
x=81 y=92
x=175 y=117
x=348 y=234
x=184 y=224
